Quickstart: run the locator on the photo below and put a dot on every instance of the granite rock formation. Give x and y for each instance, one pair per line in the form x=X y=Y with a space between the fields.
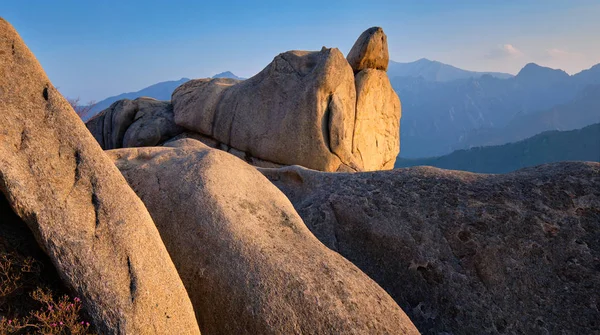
x=466 y=253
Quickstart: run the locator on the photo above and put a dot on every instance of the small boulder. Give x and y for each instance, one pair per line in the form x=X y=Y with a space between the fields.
x=134 y=123
x=370 y=51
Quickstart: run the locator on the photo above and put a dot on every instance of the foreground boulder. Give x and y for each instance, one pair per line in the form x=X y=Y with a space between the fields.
x=93 y=227
x=246 y=258
x=466 y=253
x=128 y=123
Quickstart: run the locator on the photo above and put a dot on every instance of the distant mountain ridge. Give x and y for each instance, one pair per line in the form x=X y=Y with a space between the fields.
x=439 y=117
x=159 y=91
x=547 y=147
x=583 y=110
x=436 y=71
x=227 y=74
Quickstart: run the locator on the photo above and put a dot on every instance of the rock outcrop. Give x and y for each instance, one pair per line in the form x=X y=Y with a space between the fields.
x=96 y=231
x=134 y=123
x=305 y=108
x=370 y=51
x=466 y=253
x=246 y=258
x=299 y=110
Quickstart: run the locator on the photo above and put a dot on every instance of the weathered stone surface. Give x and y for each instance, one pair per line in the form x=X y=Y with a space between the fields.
x=370 y=51
x=299 y=110
x=134 y=123
x=467 y=253
x=196 y=103
x=377 y=129
x=93 y=227
x=190 y=137
x=248 y=261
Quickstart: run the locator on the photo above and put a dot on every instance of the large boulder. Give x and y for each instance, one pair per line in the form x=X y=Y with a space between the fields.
x=299 y=110
x=466 y=253
x=370 y=51
x=81 y=211
x=246 y=258
x=134 y=123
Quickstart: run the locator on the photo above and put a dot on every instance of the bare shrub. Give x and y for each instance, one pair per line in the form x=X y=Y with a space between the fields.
x=81 y=109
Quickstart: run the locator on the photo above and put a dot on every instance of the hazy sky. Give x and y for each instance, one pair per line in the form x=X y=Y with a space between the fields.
x=94 y=49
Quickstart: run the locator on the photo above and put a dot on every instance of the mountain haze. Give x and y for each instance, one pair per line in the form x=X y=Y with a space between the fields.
x=580 y=112
x=436 y=71
x=159 y=91
x=227 y=74
x=438 y=117
x=547 y=147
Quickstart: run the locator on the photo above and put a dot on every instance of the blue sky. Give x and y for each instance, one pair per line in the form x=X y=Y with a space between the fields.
x=94 y=49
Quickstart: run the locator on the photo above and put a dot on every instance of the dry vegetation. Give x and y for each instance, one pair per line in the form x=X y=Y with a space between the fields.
x=81 y=110
x=32 y=297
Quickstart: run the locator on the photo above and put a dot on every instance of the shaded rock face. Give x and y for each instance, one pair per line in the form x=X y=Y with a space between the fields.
x=134 y=123
x=466 y=253
x=248 y=261
x=17 y=243
x=93 y=227
x=370 y=51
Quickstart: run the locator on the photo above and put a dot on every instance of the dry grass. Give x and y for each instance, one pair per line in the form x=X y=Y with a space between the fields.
x=33 y=299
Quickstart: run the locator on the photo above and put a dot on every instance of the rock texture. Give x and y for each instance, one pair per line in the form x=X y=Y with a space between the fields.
x=299 y=110
x=467 y=253
x=134 y=123
x=81 y=211
x=248 y=261
x=377 y=126
x=196 y=103
x=370 y=51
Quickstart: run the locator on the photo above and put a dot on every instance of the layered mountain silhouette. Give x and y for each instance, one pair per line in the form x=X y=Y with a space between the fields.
x=160 y=91
x=441 y=116
x=435 y=71
x=581 y=111
x=547 y=147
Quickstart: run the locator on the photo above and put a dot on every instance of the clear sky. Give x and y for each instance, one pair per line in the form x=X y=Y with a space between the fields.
x=94 y=49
